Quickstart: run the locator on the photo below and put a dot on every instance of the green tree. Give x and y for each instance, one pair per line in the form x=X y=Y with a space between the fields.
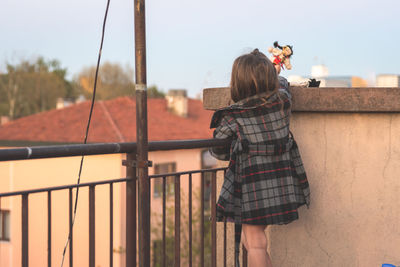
x=184 y=234
x=30 y=87
x=154 y=92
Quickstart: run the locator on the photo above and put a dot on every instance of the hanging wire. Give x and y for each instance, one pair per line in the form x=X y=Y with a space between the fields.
x=87 y=131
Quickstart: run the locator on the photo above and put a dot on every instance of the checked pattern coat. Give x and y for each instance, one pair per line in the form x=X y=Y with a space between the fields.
x=265 y=181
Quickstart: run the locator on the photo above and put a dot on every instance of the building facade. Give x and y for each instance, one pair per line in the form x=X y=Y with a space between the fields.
x=112 y=121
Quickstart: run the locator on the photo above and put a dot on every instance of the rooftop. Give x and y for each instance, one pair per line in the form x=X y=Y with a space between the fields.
x=112 y=121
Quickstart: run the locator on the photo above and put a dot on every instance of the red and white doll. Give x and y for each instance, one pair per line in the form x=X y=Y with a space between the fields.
x=281 y=56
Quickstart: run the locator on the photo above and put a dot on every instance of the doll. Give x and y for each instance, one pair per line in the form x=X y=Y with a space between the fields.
x=281 y=55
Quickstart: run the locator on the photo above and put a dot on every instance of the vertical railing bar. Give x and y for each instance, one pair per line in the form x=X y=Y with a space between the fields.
x=164 y=185
x=225 y=256
x=2 y=230
x=225 y=243
x=202 y=220
x=92 y=226
x=213 y=220
x=111 y=224
x=190 y=220
x=71 y=233
x=25 y=229
x=244 y=254
x=244 y=251
x=49 y=228
x=135 y=234
x=3 y=226
x=177 y=221
x=131 y=194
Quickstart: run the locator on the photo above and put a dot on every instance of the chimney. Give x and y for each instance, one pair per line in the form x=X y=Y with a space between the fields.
x=63 y=102
x=4 y=120
x=177 y=102
x=60 y=103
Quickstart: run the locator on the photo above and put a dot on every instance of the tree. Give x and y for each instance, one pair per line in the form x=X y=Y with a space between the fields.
x=34 y=86
x=154 y=92
x=30 y=87
x=184 y=235
x=113 y=81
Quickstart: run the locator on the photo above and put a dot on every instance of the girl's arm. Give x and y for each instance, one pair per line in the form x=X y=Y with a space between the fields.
x=284 y=86
x=224 y=130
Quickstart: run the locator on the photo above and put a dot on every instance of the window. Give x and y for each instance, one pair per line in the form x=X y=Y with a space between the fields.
x=164 y=168
x=5 y=225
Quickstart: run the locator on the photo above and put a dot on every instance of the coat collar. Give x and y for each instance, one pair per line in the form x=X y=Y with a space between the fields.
x=254 y=101
x=251 y=102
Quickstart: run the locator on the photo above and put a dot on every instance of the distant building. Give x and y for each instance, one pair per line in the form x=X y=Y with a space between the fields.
x=388 y=80
x=343 y=81
x=358 y=82
x=174 y=118
x=321 y=73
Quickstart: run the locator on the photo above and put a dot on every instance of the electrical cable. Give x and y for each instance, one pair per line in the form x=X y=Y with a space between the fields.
x=87 y=131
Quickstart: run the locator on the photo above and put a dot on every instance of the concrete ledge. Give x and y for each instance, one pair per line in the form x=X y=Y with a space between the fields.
x=326 y=99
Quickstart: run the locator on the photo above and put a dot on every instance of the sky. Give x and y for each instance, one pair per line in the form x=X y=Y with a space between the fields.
x=192 y=44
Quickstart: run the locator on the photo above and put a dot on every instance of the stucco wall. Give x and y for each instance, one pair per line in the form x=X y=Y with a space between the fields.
x=352 y=158
x=353 y=166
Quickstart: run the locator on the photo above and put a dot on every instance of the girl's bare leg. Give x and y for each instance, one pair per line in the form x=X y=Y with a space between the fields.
x=256 y=240
x=244 y=241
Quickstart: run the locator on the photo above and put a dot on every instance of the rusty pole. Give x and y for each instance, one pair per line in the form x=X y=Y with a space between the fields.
x=131 y=230
x=141 y=134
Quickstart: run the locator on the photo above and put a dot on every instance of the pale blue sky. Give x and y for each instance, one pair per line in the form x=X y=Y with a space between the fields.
x=192 y=44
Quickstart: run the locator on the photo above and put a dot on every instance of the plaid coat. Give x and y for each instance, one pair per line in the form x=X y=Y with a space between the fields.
x=265 y=181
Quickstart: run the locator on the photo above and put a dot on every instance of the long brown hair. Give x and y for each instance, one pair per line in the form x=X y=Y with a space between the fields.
x=253 y=74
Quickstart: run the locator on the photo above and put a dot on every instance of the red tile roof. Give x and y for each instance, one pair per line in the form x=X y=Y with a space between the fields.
x=112 y=121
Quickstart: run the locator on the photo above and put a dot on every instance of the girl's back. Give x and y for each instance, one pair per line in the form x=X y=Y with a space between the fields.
x=263 y=121
x=265 y=181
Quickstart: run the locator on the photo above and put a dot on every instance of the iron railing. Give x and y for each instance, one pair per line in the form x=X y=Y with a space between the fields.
x=131 y=206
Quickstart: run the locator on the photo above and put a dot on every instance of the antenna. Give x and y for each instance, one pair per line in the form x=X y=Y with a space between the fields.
x=87 y=132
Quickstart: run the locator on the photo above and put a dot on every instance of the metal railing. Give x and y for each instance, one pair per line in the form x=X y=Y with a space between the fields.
x=49 y=190
x=131 y=206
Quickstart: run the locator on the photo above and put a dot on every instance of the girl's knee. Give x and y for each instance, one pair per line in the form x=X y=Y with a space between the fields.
x=255 y=236
x=257 y=243
x=244 y=241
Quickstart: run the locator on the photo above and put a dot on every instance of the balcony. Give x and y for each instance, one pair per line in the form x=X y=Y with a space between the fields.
x=181 y=231
x=347 y=137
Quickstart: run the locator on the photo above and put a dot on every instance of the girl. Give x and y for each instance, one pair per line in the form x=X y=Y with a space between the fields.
x=265 y=181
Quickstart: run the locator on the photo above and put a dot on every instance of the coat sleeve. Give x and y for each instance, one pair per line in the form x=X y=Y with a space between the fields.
x=225 y=128
x=284 y=87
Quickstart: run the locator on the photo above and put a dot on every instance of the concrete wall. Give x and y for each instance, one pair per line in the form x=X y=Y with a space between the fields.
x=353 y=164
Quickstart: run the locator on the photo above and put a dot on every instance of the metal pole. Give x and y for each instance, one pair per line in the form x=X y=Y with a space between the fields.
x=131 y=212
x=141 y=134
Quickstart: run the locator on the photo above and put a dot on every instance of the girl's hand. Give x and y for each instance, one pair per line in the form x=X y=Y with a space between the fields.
x=277 y=68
